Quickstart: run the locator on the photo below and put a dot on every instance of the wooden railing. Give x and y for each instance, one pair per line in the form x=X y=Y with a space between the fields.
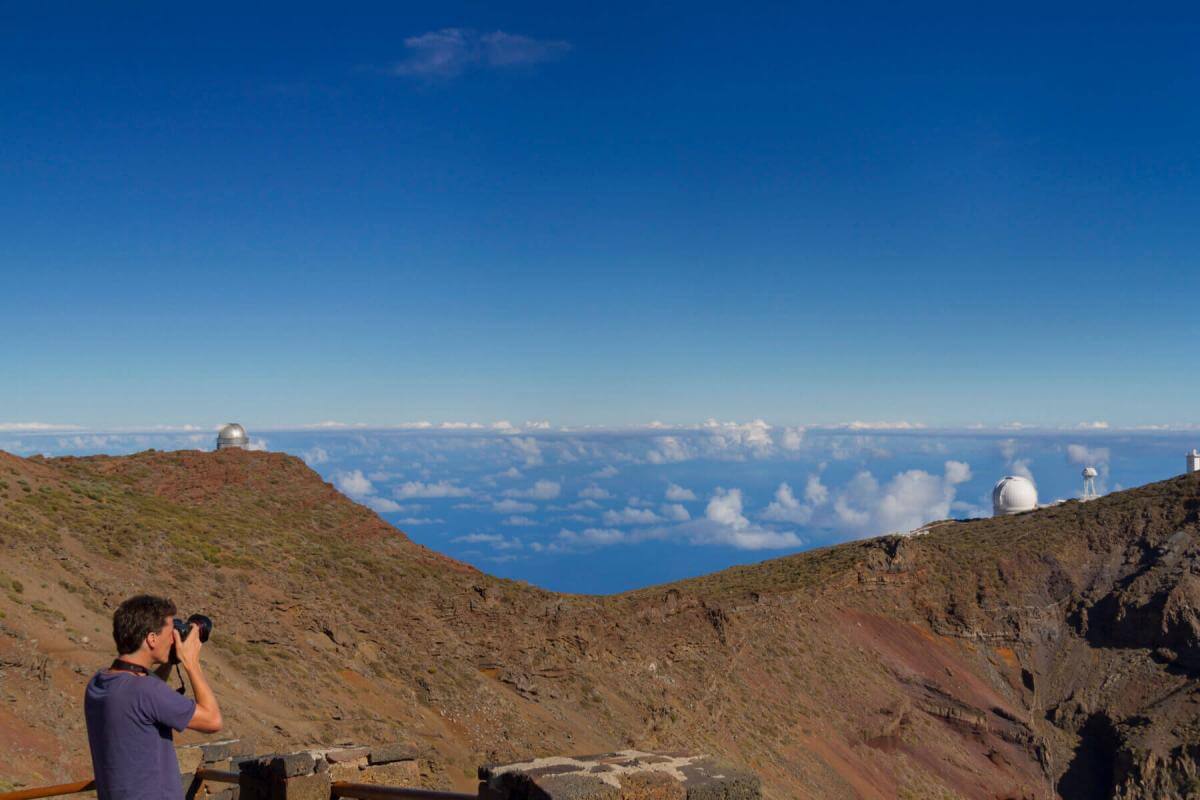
x=367 y=791
x=358 y=791
x=50 y=791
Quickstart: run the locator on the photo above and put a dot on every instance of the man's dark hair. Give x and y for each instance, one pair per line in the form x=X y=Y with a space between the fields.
x=136 y=618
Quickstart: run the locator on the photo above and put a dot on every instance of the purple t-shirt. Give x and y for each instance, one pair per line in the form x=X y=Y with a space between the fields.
x=129 y=722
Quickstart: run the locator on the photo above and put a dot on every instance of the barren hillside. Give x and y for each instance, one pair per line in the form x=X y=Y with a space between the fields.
x=1048 y=653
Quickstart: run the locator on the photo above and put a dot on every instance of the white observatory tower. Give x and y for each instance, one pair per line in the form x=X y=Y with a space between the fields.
x=1013 y=494
x=232 y=436
x=1089 y=484
x=1193 y=461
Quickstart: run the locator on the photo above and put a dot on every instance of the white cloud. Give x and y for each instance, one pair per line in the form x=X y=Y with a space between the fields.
x=34 y=427
x=631 y=516
x=412 y=489
x=753 y=436
x=909 y=500
x=957 y=472
x=513 y=507
x=678 y=494
x=791 y=438
x=360 y=487
x=353 y=483
x=850 y=518
x=496 y=541
x=316 y=455
x=750 y=538
x=725 y=507
x=815 y=491
x=449 y=52
x=479 y=538
x=594 y=492
x=589 y=537
x=854 y=448
x=1014 y=465
x=668 y=449
x=725 y=524
x=899 y=425
x=528 y=448
x=786 y=508
x=675 y=512
x=503 y=558
x=1087 y=456
x=258 y=444
x=607 y=471
x=589 y=504
x=541 y=490
x=517 y=521
x=382 y=505
x=913 y=498
x=1020 y=467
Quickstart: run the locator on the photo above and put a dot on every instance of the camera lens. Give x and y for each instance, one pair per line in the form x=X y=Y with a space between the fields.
x=203 y=625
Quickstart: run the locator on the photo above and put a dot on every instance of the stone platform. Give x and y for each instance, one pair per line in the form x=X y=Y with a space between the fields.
x=625 y=775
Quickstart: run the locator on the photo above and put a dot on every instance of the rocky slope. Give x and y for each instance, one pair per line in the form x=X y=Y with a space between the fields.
x=1048 y=654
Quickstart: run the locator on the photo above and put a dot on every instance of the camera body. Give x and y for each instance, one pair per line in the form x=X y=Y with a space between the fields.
x=203 y=629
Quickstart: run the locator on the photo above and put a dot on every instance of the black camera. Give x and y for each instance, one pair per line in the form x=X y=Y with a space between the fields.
x=203 y=629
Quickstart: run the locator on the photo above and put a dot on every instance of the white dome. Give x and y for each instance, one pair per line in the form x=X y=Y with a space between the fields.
x=231 y=435
x=1089 y=472
x=1012 y=495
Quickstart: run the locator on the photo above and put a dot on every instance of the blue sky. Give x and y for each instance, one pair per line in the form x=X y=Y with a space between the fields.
x=388 y=212
x=847 y=221
x=604 y=510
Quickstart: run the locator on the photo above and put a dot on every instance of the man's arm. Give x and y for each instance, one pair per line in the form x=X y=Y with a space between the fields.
x=207 y=718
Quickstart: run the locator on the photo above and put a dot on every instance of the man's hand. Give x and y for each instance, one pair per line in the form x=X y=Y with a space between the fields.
x=207 y=716
x=187 y=650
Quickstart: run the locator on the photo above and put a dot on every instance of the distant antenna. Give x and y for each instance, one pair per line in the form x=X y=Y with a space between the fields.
x=1089 y=484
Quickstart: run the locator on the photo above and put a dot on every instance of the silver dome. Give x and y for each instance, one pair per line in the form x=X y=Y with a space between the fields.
x=232 y=435
x=1014 y=494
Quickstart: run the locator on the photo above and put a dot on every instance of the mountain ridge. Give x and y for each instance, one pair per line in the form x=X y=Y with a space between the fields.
x=1008 y=657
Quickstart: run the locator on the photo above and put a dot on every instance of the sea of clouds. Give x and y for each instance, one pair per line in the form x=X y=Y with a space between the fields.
x=601 y=510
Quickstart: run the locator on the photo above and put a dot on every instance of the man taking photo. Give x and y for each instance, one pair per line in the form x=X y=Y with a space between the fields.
x=131 y=711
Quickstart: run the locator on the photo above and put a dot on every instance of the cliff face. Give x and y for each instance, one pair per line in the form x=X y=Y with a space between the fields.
x=1050 y=653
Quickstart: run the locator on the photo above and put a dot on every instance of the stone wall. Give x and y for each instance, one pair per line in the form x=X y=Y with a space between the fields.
x=223 y=755
x=310 y=774
x=626 y=775
x=302 y=775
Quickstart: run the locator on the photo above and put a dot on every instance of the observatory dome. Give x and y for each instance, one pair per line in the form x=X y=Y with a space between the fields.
x=1012 y=495
x=232 y=435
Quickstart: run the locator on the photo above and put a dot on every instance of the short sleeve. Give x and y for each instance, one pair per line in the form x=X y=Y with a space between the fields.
x=163 y=704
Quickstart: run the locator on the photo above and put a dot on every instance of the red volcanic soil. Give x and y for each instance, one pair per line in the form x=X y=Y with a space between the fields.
x=1045 y=654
